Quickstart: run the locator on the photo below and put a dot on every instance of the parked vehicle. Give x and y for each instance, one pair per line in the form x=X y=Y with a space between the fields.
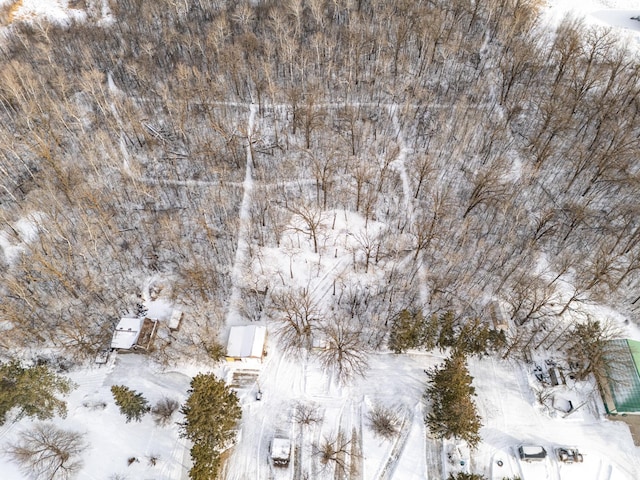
x=569 y=455
x=280 y=450
x=532 y=453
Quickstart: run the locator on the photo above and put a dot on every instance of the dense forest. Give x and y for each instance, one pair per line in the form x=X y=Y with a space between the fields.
x=123 y=153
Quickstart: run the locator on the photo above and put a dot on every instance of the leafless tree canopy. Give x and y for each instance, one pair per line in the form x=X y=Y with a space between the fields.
x=333 y=453
x=163 y=410
x=499 y=159
x=47 y=452
x=307 y=414
x=297 y=317
x=344 y=352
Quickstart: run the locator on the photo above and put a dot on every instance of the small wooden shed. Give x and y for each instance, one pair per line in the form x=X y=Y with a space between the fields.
x=132 y=334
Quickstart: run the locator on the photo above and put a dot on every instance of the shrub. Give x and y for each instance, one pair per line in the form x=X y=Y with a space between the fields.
x=163 y=411
x=385 y=422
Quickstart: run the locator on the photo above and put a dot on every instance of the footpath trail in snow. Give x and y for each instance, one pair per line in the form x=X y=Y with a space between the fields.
x=242 y=250
x=400 y=166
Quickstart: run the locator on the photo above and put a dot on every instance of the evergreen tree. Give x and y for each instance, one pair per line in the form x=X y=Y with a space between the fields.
x=472 y=337
x=206 y=462
x=211 y=415
x=406 y=331
x=132 y=404
x=453 y=412
x=448 y=335
x=32 y=390
x=593 y=348
x=476 y=338
x=466 y=476
x=410 y=329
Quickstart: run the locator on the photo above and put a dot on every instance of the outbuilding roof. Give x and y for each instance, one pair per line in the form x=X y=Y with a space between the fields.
x=624 y=384
x=533 y=451
x=246 y=341
x=126 y=333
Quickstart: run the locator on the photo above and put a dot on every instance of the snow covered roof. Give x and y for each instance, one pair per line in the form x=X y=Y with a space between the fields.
x=246 y=341
x=126 y=333
x=174 y=320
x=625 y=384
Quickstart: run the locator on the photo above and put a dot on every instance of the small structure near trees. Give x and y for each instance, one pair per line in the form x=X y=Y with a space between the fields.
x=134 y=334
x=621 y=391
x=126 y=333
x=175 y=320
x=498 y=318
x=247 y=343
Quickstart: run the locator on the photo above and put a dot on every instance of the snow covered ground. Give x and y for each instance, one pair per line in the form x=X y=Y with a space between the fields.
x=608 y=13
x=506 y=401
x=111 y=441
x=614 y=13
x=513 y=416
x=55 y=10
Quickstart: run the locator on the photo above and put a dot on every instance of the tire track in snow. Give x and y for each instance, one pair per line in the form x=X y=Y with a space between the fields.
x=356 y=468
x=175 y=466
x=386 y=473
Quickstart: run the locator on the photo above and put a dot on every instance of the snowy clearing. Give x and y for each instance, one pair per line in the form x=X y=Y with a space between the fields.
x=608 y=13
x=506 y=402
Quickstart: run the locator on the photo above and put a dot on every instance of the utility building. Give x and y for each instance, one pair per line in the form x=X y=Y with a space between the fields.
x=622 y=394
x=247 y=343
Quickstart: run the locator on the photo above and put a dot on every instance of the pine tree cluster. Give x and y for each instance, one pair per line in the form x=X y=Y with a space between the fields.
x=211 y=413
x=453 y=412
x=413 y=330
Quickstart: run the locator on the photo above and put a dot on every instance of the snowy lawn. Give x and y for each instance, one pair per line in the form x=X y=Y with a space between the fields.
x=506 y=400
x=157 y=452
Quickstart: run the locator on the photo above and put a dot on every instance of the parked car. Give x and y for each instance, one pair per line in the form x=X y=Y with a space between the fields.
x=532 y=453
x=280 y=451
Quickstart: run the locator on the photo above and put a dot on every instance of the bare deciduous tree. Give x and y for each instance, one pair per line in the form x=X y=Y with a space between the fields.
x=48 y=452
x=593 y=349
x=297 y=317
x=312 y=221
x=307 y=414
x=345 y=352
x=333 y=452
x=163 y=410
